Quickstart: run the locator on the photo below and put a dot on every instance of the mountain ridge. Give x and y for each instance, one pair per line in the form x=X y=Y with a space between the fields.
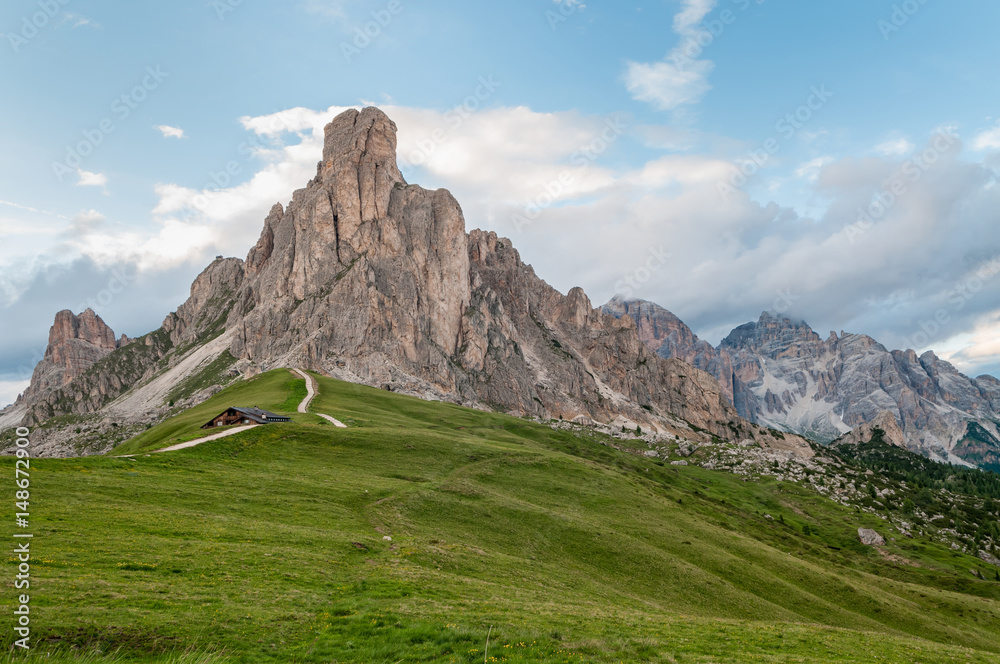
x=786 y=376
x=365 y=277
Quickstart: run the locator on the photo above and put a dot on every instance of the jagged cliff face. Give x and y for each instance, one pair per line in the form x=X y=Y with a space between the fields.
x=361 y=273
x=784 y=375
x=369 y=279
x=76 y=343
x=668 y=336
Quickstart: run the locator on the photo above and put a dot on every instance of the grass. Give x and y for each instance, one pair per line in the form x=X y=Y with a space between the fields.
x=277 y=391
x=269 y=546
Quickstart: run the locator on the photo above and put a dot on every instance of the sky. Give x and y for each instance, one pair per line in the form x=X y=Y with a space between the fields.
x=833 y=162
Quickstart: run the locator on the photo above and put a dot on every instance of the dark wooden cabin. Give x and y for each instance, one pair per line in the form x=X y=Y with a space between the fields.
x=236 y=415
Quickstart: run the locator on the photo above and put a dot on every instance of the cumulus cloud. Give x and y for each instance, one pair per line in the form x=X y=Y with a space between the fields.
x=987 y=140
x=895 y=147
x=681 y=77
x=170 y=132
x=812 y=168
x=85 y=223
x=88 y=179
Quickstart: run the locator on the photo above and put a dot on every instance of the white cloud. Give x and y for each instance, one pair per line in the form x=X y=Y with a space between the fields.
x=693 y=12
x=79 y=21
x=28 y=208
x=978 y=348
x=88 y=179
x=987 y=140
x=667 y=85
x=170 y=132
x=85 y=223
x=811 y=169
x=896 y=147
x=680 y=78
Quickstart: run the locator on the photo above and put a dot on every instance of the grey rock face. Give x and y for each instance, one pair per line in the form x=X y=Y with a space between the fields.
x=668 y=336
x=870 y=537
x=207 y=309
x=784 y=375
x=892 y=433
x=76 y=343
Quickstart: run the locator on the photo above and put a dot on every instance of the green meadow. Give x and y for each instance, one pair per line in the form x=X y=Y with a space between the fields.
x=426 y=532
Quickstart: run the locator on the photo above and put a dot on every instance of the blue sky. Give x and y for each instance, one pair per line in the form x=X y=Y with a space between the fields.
x=639 y=117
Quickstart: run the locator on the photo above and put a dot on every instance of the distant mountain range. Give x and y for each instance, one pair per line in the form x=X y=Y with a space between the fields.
x=779 y=373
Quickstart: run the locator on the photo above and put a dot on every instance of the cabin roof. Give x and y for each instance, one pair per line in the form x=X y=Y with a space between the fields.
x=261 y=413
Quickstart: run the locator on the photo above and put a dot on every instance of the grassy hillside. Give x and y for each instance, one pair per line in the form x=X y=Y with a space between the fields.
x=269 y=546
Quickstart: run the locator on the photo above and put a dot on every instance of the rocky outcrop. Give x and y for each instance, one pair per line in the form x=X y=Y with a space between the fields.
x=824 y=388
x=667 y=336
x=205 y=312
x=869 y=537
x=75 y=344
x=885 y=421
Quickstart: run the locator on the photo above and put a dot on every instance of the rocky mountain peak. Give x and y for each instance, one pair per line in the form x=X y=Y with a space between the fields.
x=773 y=335
x=76 y=343
x=87 y=327
x=359 y=167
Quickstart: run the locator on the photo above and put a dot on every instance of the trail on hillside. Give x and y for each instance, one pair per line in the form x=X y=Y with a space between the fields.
x=198 y=441
x=310 y=395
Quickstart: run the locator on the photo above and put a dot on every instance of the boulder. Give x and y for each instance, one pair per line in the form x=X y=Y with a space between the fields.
x=870 y=537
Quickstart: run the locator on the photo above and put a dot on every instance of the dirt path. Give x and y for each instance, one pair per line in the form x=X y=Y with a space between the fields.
x=310 y=391
x=192 y=443
x=310 y=395
x=332 y=420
